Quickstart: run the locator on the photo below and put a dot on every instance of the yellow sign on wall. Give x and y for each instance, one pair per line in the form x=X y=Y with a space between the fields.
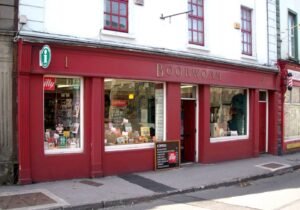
x=293 y=145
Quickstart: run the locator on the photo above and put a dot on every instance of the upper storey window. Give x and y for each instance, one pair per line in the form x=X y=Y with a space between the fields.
x=116 y=15
x=292 y=30
x=196 y=22
x=246 y=19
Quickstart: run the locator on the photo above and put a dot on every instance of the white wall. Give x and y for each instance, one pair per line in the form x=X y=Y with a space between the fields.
x=285 y=6
x=84 y=19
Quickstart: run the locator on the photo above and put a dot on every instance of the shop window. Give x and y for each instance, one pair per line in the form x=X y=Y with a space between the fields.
x=292 y=114
x=62 y=115
x=134 y=112
x=196 y=22
x=246 y=29
x=116 y=15
x=228 y=113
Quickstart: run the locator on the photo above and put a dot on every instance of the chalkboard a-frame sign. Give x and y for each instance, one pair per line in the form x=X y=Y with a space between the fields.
x=167 y=155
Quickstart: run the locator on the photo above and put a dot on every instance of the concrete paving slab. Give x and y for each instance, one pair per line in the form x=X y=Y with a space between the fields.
x=113 y=190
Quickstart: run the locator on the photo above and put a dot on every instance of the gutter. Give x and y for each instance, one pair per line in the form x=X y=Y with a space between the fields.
x=37 y=37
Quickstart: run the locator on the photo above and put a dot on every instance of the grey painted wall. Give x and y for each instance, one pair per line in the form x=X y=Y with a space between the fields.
x=8 y=150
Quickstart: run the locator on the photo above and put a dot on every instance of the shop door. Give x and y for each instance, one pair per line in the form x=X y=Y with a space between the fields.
x=188 y=130
x=262 y=122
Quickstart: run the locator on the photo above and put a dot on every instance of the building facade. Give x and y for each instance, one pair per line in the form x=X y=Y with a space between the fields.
x=289 y=69
x=100 y=82
x=8 y=151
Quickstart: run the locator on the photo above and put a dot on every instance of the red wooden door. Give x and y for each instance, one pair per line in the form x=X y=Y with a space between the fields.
x=262 y=127
x=189 y=114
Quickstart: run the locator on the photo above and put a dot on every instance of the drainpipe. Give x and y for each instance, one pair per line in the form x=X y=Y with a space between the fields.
x=268 y=47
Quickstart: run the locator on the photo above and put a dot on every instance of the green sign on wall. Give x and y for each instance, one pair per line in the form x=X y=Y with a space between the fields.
x=45 y=56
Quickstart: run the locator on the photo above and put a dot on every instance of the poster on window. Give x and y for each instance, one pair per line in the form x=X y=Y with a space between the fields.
x=49 y=83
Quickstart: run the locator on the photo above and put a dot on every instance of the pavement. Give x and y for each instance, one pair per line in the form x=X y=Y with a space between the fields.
x=134 y=188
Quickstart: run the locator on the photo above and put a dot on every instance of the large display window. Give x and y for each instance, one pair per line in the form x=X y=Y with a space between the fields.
x=292 y=114
x=134 y=113
x=228 y=113
x=63 y=115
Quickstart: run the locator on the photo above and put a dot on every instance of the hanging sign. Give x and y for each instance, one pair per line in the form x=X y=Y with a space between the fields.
x=45 y=56
x=49 y=83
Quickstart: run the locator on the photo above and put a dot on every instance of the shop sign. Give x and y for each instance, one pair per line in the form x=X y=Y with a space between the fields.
x=119 y=103
x=294 y=145
x=167 y=155
x=169 y=70
x=45 y=56
x=49 y=83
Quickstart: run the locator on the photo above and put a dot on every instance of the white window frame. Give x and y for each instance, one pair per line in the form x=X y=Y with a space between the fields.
x=109 y=35
x=233 y=138
x=150 y=145
x=292 y=34
x=68 y=150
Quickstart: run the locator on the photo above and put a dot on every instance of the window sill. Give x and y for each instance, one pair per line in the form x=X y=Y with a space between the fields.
x=116 y=34
x=63 y=151
x=198 y=47
x=228 y=139
x=248 y=57
x=292 y=139
x=129 y=147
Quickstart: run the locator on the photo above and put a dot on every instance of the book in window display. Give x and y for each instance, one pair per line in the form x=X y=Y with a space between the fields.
x=62 y=115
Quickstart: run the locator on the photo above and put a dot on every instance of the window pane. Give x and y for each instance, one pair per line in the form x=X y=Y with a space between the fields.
x=295 y=95
x=200 y=37
x=194 y=24
x=228 y=112
x=190 y=7
x=134 y=112
x=199 y=11
x=200 y=2
x=190 y=23
x=200 y=25
x=115 y=21
x=194 y=36
x=188 y=91
x=123 y=9
x=123 y=23
x=62 y=108
x=262 y=96
x=115 y=8
x=190 y=36
x=107 y=6
x=291 y=121
x=107 y=20
x=195 y=10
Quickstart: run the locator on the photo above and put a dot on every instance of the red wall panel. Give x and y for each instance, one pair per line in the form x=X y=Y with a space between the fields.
x=122 y=162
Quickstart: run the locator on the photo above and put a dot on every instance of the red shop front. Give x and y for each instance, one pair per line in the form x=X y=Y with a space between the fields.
x=290 y=101
x=97 y=111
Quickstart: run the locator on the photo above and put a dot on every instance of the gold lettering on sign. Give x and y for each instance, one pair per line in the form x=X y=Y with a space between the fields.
x=168 y=70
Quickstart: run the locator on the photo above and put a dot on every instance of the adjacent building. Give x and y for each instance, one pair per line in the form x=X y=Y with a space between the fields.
x=288 y=43
x=100 y=82
x=8 y=144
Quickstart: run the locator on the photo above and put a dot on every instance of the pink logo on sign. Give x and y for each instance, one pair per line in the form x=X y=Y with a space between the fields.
x=49 y=83
x=172 y=157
